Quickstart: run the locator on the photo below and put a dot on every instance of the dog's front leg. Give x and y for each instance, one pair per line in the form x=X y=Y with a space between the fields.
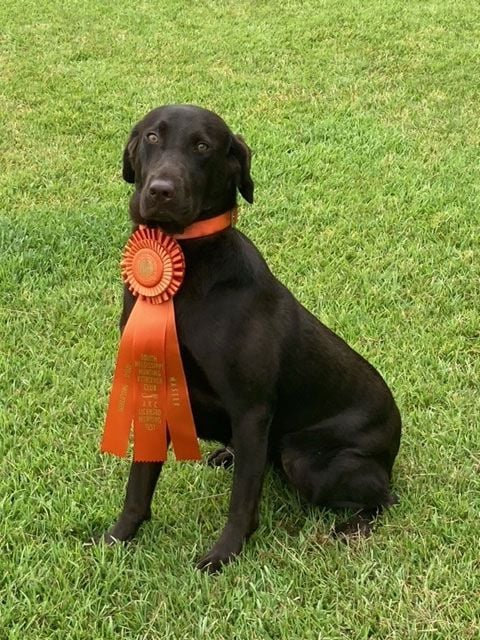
x=250 y=441
x=143 y=475
x=140 y=488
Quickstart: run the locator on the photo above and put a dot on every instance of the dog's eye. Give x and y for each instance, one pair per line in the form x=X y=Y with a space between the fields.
x=202 y=147
x=152 y=138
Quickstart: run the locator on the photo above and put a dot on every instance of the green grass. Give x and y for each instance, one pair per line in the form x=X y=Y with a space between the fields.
x=363 y=118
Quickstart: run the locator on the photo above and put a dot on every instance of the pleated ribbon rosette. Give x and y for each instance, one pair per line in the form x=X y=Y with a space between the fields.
x=149 y=390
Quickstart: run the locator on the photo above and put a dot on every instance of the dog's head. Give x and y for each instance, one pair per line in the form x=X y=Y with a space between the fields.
x=186 y=164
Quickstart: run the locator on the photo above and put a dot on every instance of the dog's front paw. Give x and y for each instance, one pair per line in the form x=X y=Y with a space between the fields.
x=221 y=553
x=122 y=531
x=223 y=457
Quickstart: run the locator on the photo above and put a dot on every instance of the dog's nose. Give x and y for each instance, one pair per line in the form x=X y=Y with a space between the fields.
x=162 y=189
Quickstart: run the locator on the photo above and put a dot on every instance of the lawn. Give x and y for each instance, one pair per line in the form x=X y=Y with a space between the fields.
x=364 y=121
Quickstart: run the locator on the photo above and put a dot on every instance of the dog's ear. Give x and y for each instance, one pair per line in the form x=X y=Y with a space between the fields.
x=129 y=153
x=243 y=155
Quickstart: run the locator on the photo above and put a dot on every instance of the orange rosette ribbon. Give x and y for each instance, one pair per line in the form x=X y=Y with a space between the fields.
x=149 y=388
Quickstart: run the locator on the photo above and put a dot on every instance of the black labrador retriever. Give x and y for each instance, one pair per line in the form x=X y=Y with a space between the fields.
x=265 y=377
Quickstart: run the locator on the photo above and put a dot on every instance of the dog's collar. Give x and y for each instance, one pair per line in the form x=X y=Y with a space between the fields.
x=204 y=228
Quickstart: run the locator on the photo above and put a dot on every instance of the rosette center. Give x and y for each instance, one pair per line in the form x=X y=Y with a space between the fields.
x=147 y=267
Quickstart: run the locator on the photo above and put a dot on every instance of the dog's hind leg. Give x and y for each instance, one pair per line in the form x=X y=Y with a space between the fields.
x=339 y=478
x=140 y=489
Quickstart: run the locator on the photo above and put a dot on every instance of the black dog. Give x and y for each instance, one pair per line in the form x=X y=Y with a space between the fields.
x=265 y=377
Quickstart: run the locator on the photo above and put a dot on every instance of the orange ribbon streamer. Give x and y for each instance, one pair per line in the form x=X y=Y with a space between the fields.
x=149 y=386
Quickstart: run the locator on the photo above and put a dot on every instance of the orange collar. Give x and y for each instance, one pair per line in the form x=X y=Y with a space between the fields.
x=204 y=228
x=208 y=227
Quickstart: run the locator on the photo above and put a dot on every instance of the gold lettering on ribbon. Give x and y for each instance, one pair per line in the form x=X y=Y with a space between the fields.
x=174 y=393
x=125 y=387
x=149 y=377
x=123 y=398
